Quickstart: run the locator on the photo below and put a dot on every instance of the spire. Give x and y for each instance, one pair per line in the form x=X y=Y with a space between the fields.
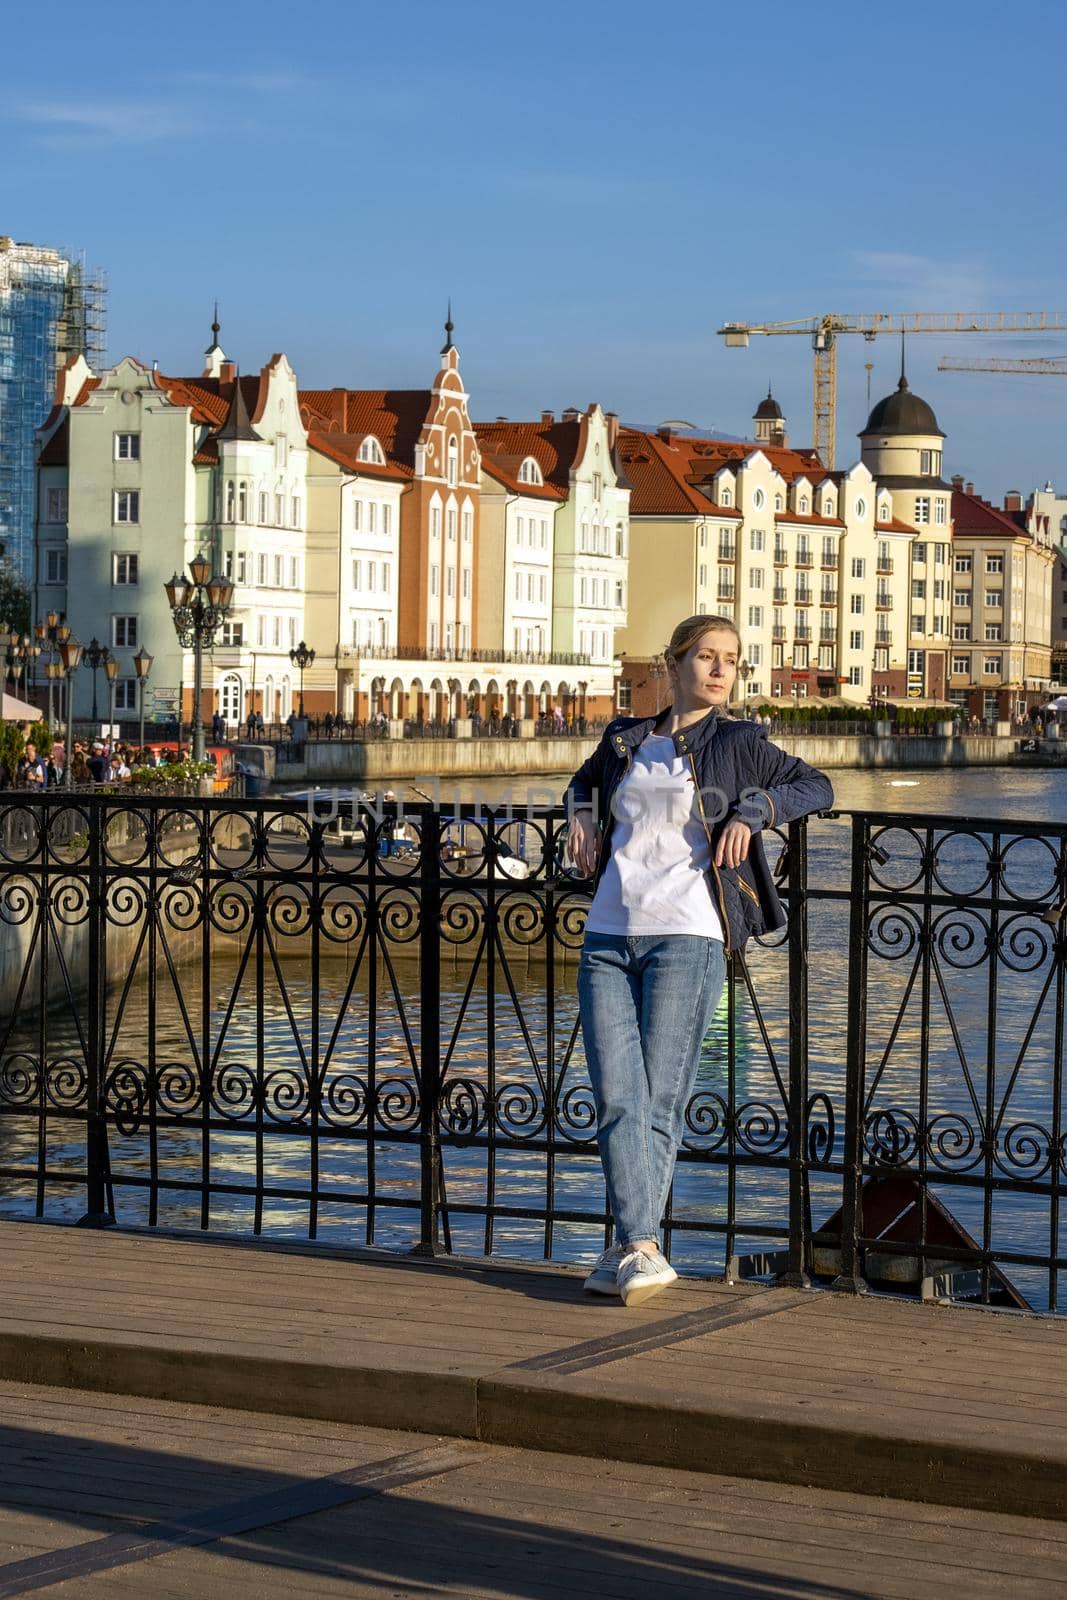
x=238 y=424
x=448 y=345
x=903 y=384
x=214 y=355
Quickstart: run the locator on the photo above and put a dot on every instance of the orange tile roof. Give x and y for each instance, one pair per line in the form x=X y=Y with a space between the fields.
x=553 y=446
x=505 y=469
x=673 y=475
x=973 y=515
x=394 y=416
x=805 y=518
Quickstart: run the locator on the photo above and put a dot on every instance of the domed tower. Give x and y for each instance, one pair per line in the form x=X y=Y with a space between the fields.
x=770 y=423
x=901 y=444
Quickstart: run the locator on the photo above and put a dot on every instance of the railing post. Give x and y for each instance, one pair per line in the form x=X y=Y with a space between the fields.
x=796 y=1273
x=850 y=1277
x=430 y=1036
x=98 y=1213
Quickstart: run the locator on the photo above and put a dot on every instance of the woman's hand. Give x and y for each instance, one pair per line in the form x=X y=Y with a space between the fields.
x=583 y=842
x=733 y=844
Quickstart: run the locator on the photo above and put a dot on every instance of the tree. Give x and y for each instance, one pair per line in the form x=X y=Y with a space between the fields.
x=15 y=607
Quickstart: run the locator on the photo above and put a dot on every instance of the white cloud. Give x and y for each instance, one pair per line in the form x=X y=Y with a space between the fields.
x=114 y=121
x=926 y=283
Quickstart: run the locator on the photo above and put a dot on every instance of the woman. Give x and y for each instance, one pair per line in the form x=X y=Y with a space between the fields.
x=667 y=814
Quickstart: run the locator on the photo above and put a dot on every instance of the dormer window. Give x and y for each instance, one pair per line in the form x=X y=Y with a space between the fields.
x=883 y=511
x=778 y=505
x=726 y=497
x=371 y=451
x=804 y=506
x=530 y=472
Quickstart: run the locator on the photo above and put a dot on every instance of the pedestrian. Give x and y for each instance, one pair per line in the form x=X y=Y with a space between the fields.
x=327 y=725
x=218 y=728
x=666 y=819
x=31 y=772
x=98 y=762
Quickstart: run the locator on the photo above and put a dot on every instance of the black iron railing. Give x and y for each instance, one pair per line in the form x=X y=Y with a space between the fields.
x=363 y=1026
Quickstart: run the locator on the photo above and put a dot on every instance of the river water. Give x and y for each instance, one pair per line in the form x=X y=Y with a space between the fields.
x=502 y=1034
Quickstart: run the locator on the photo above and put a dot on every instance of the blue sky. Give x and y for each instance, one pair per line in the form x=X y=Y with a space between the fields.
x=598 y=187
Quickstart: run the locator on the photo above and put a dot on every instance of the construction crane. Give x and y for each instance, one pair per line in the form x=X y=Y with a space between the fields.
x=823 y=332
x=1041 y=366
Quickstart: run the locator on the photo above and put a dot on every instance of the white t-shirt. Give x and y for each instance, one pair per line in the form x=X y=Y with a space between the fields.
x=655 y=879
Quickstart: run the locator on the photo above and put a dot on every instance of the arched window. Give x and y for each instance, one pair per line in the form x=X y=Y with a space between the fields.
x=883 y=511
x=370 y=450
x=229 y=499
x=778 y=502
x=453 y=460
x=726 y=497
x=805 y=505
x=242 y=502
x=530 y=472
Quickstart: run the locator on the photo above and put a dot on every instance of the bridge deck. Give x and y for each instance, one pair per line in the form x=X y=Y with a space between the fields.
x=946 y=1405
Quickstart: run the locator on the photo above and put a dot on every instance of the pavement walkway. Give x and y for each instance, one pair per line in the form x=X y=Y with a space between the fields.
x=104 y=1498
x=950 y=1406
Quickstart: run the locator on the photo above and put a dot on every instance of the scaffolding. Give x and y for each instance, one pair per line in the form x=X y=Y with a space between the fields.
x=51 y=308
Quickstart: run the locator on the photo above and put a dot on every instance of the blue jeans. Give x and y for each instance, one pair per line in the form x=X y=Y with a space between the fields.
x=646 y=1004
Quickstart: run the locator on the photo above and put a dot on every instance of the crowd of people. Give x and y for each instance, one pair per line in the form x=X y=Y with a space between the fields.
x=94 y=761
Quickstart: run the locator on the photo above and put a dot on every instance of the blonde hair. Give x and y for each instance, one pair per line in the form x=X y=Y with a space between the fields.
x=688 y=632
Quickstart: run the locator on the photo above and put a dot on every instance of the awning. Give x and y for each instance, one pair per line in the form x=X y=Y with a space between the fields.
x=16 y=710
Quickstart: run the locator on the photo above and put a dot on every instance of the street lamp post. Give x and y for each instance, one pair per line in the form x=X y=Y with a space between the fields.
x=70 y=654
x=302 y=657
x=198 y=605
x=657 y=671
x=51 y=632
x=743 y=672
x=142 y=665
x=111 y=668
x=94 y=655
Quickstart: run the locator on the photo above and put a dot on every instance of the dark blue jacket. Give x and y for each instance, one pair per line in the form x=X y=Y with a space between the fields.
x=738 y=773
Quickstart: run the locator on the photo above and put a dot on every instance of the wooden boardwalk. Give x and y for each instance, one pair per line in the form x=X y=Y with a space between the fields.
x=953 y=1407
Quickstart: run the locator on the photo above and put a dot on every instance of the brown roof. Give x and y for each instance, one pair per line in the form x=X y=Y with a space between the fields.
x=672 y=474
x=395 y=417
x=553 y=446
x=973 y=515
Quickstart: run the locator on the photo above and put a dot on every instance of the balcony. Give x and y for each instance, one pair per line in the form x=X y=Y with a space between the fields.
x=727 y=552
x=883 y=636
x=829 y=564
x=803 y=596
x=802 y=632
x=780 y=558
x=882 y=602
x=781 y=594
x=827 y=635
x=778 y=630
x=805 y=558
x=726 y=597
x=828 y=597
x=884 y=568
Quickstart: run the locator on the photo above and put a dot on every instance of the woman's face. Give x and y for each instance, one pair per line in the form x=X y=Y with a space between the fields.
x=706 y=674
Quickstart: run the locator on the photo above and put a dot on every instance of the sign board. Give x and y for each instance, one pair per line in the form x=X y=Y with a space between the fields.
x=158 y=701
x=915 y=685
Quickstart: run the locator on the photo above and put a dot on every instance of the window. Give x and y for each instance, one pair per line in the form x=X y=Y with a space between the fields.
x=357 y=574
x=829 y=552
x=962 y=564
x=859 y=567
x=435 y=522
x=276 y=630
x=370 y=450
x=261 y=630
x=757 y=499
x=279 y=511
x=233 y=633
x=124 y=632
x=126 y=569
x=372 y=574
x=450 y=583
x=292 y=631
x=993 y=632
x=540 y=584
x=278 y=572
x=465 y=584
x=598 y=485
x=450 y=525
x=230 y=500
x=726 y=497
x=883 y=511
x=281 y=450
x=357 y=514
x=939 y=588
x=961 y=631
x=387 y=519
x=961 y=665
x=435 y=578
x=55 y=566
x=855 y=676
x=755 y=538
x=755 y=578
x=925 y=457
x=855 y=639
x=755 y=616
x=261 y=570
x=56 y=505
x=991 y=666
x=468 y=529
x=940 y=512
x=263 y=508
x=242 y=502
x=881 y=659
x=453 y=460
x=385 y=575
x=755 y=655
x=961 y=597
x=126 y=694
x=530 y=472
x=805 y=505
x=917 y=622
x=127 y=506
x=856 y=605
x=994 y=563
x=861 y=509
x=127 y=447
x=918 y=553
x=702 y=575
x=995 y=598
x=295 y=511
x=918 y=588
x=922 y=510
x=372 y=516
x=294 y=573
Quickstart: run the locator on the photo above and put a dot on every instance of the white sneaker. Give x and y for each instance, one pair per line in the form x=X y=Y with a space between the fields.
x=602 y=1279
x=643 y=1273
